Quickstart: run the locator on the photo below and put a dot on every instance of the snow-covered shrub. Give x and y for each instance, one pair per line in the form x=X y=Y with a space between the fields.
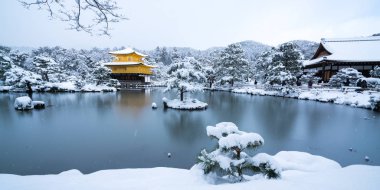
x=18 y=77
x=375 y=102
x=185 y=75
x=370 y=82
x=345 y=77
x=229 y=159
x=102 y=74
x=375 y=72
x=310 y=76
x=113 y=83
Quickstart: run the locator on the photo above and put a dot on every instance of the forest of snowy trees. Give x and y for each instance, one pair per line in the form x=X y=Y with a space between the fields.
x=185 y=69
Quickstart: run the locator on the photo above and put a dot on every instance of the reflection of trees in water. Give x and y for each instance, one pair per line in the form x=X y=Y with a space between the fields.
x=184 y=126
x=227 y=106
x=276 y=115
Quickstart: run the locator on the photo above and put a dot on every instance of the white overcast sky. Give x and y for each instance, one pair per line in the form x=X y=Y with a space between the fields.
x=198 y=23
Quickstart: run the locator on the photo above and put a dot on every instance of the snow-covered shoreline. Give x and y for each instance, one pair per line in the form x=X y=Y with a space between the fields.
x=61 y=87
x=365 y=99
x=299 y=171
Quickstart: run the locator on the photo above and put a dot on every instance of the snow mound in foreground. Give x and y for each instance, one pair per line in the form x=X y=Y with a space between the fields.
x=302 y=161
x=23 y=103
x=187 y=104
x=329 y=175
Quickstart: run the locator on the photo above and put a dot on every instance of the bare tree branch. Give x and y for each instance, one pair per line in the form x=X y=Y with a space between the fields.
x=91 y=16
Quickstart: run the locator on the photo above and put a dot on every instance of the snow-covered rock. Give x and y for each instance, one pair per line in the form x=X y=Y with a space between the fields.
x=38 y=104
x=187 y=104
x=23 y=103
x=154 y=105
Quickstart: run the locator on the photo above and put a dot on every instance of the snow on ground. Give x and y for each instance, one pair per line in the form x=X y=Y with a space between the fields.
x=337 y=96
x=300 y=171
x=97 y=88
x=23 y=103
x=187 y=104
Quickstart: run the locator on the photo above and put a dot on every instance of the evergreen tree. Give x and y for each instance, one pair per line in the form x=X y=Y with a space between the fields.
x=101 y=74
x=285 y=66
x=45 y=66
x=229 y=158
x=232 y=65
x=5 y=61
x=261 y=67
x=164 y=56
x=346 y=77
x=185 y=75
x=289 y=58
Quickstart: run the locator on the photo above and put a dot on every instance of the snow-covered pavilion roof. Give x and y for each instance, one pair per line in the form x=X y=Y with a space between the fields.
x=126 y=51
x=362 y=49
x=125 y=63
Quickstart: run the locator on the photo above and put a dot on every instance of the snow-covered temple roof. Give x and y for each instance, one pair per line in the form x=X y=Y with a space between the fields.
x=362 y=49
x=127 y=51
x=126 y=63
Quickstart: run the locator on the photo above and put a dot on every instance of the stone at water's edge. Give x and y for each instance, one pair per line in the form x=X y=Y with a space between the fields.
x=154 y=105
x=38 y=104
x=23 y=103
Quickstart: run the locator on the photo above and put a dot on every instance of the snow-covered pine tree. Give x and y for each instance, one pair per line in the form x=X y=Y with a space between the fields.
x=185 y=75
x=230 y=160
x=101 y=74
x=345 y=75
x=165 y=57
x=289 y=57
x=285 y=66
x=233 y=65
x=263 y=61
x=375 y=72
x=45 y=66
x=5 y=61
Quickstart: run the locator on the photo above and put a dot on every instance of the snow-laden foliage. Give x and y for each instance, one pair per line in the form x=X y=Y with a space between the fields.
x=345 y=77
x=279 y=65
x=375 y=72
x=102 y=74
x=229 y=159
x=54 y=68
x=232 y=65
x=185 y=75
x=19 y=77
x=286 y=65
x=5 y=61
x=309 y=78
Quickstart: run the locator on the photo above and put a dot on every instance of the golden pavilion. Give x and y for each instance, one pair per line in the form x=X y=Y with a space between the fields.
x=129 y=66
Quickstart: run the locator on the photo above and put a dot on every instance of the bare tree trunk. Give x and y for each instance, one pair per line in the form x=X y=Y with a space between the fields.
x=181 y=94
x=29 y=89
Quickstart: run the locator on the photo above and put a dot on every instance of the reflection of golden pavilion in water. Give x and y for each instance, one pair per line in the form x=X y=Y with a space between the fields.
x=135 y=101
x=129 y=67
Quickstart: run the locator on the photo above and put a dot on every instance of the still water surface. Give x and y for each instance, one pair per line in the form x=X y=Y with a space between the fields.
x=96 y=131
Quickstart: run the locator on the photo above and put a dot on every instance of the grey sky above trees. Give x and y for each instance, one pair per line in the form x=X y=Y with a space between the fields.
x=197 y=23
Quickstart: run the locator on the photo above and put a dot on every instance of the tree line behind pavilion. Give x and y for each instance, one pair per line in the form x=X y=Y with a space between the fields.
x=185 y=69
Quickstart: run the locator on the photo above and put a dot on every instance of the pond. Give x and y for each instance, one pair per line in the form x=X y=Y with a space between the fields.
x=96 y=131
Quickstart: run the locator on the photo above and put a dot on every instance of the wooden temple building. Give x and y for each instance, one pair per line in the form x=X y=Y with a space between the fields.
x=129 y=67
x=362 y=54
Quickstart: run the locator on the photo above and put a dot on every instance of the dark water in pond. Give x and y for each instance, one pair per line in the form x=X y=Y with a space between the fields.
x=95 y=131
